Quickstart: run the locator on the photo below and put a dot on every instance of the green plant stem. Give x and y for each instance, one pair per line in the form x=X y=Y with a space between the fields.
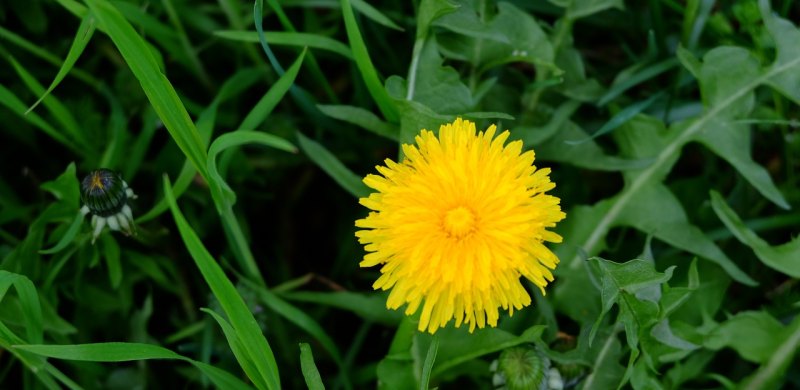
x=403 y=338
x=412 y=70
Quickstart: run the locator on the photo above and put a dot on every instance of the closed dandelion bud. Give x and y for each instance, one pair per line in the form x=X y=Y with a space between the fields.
x=524 y=369
x=105 y=196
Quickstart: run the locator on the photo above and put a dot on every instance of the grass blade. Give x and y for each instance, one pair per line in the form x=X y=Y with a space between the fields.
x=427 y=368
x=363 y=118
x=156 y=86
x=289 y=39
x=82 y=37
x=309 y=368
x=241 y=318
x=125 y=352
x=364 y=63
x=333 y=167
x=267 y=103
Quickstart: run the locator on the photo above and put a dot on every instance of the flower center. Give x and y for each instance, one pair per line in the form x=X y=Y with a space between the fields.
x=459 y=222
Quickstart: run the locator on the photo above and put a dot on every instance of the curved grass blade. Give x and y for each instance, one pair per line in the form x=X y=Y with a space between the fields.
x=10 y=100
x=29 y=300
x=238 y=138
x=267 y=103
x=82 y=37
x=372 y=13
x=365 y=66
x=205 y=125
x=289 y=39
x=68 y=236
x=140 y=58
x=237 y=348
x=246 y=327
x=427 y=367
x=125 y=352
x=309 y=368
x=363 y=118
x=333 y=167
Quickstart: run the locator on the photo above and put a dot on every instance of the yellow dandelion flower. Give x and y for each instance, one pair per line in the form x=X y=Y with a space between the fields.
x=455 y=225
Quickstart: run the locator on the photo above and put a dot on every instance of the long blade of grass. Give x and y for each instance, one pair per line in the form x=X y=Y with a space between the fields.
x=68 y=236
x=333 y=167
x=125 y=352
x=241 y=318
x=29 y=300
x=237 y=348
x=267 y=103
x=362 y=118
x=156 y=86
x=427 y=367
x=234 y=86
x=364 y=63
x=298 y=39
x=309 y=368
x=82 y=37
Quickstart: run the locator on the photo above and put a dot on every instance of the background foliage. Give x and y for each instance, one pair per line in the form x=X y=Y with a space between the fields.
x=671 y=129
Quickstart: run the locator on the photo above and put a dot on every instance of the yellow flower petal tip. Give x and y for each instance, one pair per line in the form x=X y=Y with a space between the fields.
x=457 y=223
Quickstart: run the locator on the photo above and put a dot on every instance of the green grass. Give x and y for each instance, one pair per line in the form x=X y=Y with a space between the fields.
x=245 y=129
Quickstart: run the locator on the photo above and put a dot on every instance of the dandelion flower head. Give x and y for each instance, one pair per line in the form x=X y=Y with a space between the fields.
x=457 y=223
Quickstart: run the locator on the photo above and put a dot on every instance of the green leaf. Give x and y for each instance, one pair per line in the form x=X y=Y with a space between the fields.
x=69 y=235
x=267 y=103
x=125 y=352
x=510 y=36
x=241 y=318
x=372 y=13
x=755 y=335
x=429 y=11
x=725 y=71
x=457 y=346
x=635 y=287
x=782 y=258
x=361 y=117
x=158 y=89
x=364 y=63
x=773 y=371
x=333 y=167
x=309 y=368
x=299 y=39
x=586 y=154
x=28 y=299
x=111 y=253
x=427 y=367
x=582 y=8
x=235 y=343
x=82 y=37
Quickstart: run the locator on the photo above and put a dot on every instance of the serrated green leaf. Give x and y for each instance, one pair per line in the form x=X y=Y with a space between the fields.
x=783 y=258
x=755 y=335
